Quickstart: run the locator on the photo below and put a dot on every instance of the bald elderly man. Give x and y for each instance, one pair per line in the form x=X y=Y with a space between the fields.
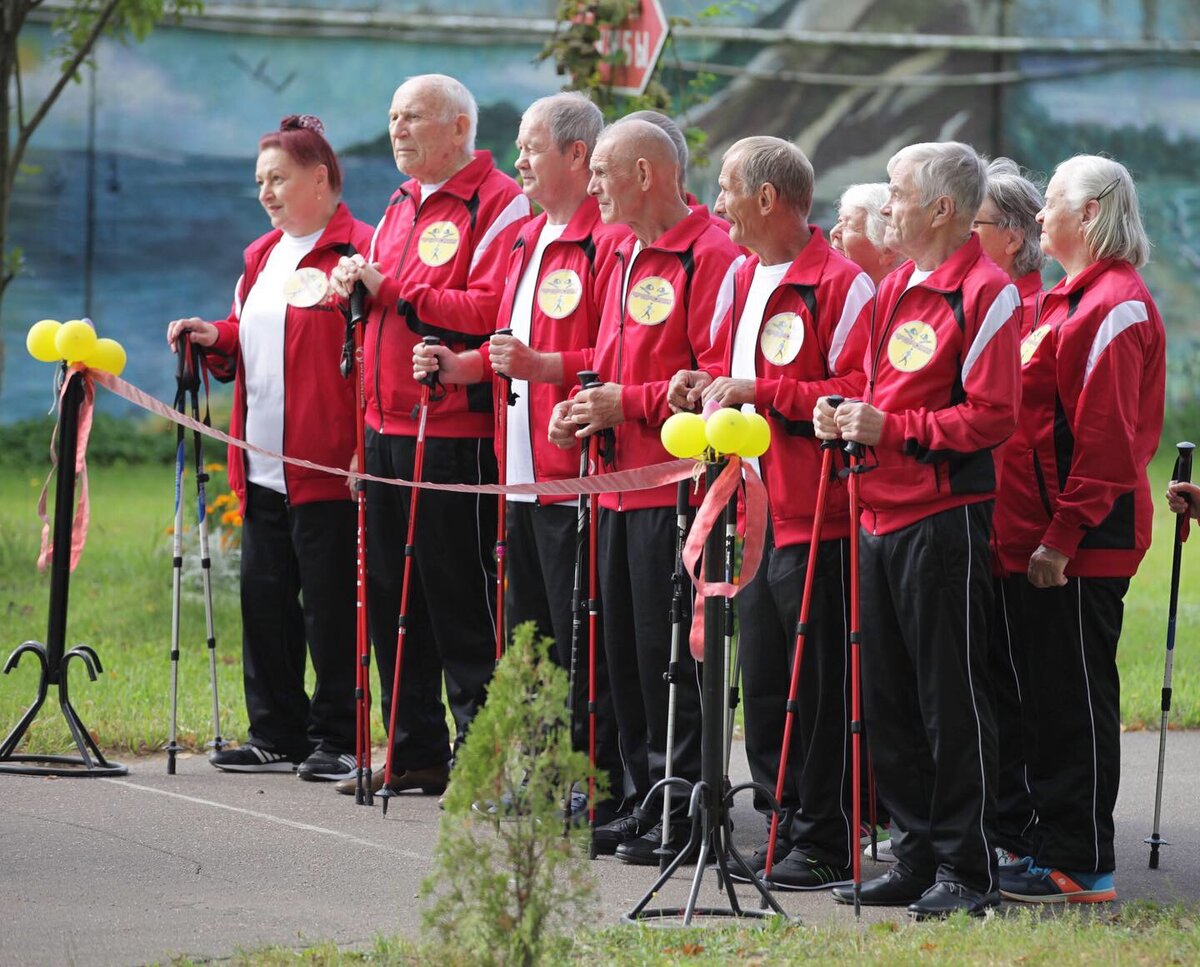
x=655 y=321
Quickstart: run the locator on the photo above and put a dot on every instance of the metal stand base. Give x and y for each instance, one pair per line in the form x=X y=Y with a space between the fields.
x=711 y=832
x=90 y=762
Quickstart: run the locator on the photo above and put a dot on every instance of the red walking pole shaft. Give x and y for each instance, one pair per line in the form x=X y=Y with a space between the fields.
x=855 y=452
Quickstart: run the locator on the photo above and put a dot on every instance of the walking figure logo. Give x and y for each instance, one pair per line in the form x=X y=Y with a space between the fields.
x=651 y=301
x=438 y=243
x=781 y=338
x=912 y=346
x=559 y=293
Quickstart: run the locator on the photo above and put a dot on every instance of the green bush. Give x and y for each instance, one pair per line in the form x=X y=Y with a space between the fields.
x=506 y=885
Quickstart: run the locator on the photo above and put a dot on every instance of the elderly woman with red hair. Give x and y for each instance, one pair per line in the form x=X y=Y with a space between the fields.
x=282 y=345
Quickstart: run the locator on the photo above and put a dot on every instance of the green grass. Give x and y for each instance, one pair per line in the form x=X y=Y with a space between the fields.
x=1139 y=933
x=121 y=605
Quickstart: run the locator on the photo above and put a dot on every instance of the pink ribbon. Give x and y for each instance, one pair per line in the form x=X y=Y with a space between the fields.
x=79 y=528
x=736 y=474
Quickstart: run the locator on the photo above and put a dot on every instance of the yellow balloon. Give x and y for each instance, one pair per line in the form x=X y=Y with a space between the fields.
x=758 y=436
x=75 y=340
x=683 y=435
x=40 y=340
x=726 y=430
x=109 y=356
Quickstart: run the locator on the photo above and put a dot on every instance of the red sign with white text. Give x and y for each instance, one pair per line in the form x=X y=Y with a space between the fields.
x=640 y=38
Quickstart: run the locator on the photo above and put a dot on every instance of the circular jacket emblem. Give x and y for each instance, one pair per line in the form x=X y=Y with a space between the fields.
x=1029 y=345
x=912 y=346
x=781 y=338
x=650 y=301
x=305 y=287
x=559 y=293
x=438 y=243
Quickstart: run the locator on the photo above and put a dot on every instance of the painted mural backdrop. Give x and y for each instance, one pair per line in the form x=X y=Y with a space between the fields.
x=176 y=121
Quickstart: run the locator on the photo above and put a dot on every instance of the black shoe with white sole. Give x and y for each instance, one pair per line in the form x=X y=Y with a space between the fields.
x=799 y=871
x=252 y=758
x=327 y=767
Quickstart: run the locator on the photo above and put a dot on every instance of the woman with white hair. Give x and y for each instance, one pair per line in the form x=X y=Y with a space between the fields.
x=858 y=233
x=1008 y=230
x=1073 y=520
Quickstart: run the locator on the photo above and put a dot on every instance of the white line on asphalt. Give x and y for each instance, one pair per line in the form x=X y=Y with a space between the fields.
x=279 y=820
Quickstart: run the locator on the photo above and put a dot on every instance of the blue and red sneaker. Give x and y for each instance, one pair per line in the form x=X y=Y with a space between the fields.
x=1040 y=884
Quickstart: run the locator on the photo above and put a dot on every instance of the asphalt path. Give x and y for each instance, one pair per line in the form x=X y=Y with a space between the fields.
x=145 y=867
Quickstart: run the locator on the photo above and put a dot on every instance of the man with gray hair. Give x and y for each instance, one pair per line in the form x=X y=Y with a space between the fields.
x=551 y=303
x=943 y=386
x=436 y=267
x=794 y=320
x=858 y=233
x=655 y=321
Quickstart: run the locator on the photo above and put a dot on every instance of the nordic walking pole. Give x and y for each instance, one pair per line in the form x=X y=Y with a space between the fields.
x=177 y=550
x=856 y=452
x=508 y=398
x=810 y=571
x=678 y=618
x=578 y=595
x=1183 y=472
x=194 y=362
x=427 y=383
x=352 y=354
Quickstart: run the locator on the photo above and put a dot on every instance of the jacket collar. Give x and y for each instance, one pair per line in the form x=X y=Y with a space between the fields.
x=337 y=232
x=1029 y=285
x=1084 y=278
x=679 y=237
x=464 y=183
x=948 y=277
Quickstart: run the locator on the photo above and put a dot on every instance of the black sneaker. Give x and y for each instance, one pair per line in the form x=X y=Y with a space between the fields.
x=611 y=835
x=644 y=850
x=798 y=871
x=327 y=767
x=757 y=861
x=251 y=758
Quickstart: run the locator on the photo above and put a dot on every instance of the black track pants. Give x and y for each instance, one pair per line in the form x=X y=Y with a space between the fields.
x=1015 y=815
x=637 y=558
x=927 y=690
x=1071 y=698
x=817 y=785
x=297 y=587
x=451 y=611
x=540 y=576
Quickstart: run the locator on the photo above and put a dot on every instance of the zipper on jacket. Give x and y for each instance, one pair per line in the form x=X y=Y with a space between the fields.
x=625 y=277
x=382 y=318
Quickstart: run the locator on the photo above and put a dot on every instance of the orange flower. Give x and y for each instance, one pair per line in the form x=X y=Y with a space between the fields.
x=214 y=467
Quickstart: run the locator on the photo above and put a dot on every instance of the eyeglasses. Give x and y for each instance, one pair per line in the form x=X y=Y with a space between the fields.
x=1113 y=184
x=980 y=221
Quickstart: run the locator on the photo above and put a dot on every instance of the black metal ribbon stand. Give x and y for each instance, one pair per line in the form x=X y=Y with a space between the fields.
x=710 y=799
x=55 y=665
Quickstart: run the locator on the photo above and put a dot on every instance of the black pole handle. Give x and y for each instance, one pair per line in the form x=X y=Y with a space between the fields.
x=358 y=296
x=588 y=378
x=430 y=379
x=834 y=401
x=1183 y=463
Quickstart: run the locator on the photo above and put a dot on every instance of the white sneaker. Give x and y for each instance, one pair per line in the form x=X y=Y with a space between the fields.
x=883 y=846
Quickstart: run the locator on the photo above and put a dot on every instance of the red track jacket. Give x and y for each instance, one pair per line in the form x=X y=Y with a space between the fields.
x=943 y=366
x=1093 y=378
x=444 y=259
x=652 y=327
x=812 y=346
x=585 y=250
x=318 y=407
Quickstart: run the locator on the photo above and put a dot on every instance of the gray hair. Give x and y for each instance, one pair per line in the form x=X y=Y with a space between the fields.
x=946 y=168
x=870 y=197
x=456 y=99
x=672 y=131
x=570 y=117
x=1116 y=232
x=766 y=160
x=1017 y=200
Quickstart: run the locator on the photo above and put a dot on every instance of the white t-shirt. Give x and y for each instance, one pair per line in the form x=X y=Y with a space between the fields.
x=519 y=455
x=748 y=325
x=918 y=276
x=261 y=335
